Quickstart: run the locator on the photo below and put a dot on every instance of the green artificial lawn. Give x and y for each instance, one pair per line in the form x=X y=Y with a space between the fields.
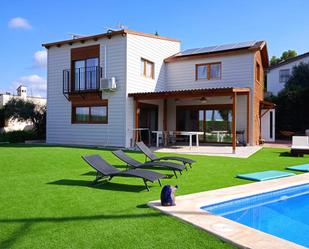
x=47 y=201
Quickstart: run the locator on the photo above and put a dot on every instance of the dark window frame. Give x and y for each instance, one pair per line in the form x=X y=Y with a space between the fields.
x=89 y=106
x=284 y=78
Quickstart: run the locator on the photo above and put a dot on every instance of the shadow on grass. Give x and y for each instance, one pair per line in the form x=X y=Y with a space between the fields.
x=19 y=232
x=286 y=154
x=93 y=173
x=101 y=185
x=28 y=222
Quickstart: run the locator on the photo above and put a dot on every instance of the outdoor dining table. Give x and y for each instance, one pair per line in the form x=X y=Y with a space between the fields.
x=182 y=133
x=219 y=134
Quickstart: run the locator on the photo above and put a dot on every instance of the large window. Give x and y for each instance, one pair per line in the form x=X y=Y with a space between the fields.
x=209 y=71
x=284 y=75
x=215 y=121
x=86 y=74
x=89 y=114
x=147 y=68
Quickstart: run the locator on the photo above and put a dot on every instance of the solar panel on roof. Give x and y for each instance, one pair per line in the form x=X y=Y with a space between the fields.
x=188 y=51
x=217 y=48
x=206 y=49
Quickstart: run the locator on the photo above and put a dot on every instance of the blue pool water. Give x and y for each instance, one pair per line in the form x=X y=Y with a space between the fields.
x=283 y=213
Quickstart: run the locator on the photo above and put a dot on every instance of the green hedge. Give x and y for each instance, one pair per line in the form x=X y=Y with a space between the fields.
x=2 y=119
x=17 y=136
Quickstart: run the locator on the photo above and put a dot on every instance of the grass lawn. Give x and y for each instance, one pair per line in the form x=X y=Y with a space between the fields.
x=46 y=200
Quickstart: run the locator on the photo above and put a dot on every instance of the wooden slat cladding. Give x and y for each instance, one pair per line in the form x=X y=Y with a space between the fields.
x=83 y=53
x=258 y=97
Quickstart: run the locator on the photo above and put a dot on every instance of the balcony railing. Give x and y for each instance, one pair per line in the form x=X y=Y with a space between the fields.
x=81 y=79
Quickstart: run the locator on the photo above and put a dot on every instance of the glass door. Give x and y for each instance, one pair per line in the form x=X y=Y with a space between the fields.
x=79 y=75
x=218 y=126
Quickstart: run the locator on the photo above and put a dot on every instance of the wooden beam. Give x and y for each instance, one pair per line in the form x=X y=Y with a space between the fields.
x=248 y=117
x=234 y=122
x=189 y=93
x=137 y=113
x=165 y=114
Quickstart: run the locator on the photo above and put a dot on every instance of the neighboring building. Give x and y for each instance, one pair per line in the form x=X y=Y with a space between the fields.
x=279 y=74
x=102 y=88
x=11 y=125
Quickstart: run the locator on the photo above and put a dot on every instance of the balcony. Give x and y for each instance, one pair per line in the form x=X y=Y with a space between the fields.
x=79 y=80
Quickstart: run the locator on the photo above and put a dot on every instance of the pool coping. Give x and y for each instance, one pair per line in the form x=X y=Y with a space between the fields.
x=188 y=209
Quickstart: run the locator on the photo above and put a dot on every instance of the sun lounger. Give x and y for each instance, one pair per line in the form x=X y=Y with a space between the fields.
x=104 y=169
x=136 y=164
x=149 y=154
x=300 y=145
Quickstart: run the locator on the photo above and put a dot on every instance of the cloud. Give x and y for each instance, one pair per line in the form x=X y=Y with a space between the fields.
x=36 y=85
x=19 y=23
x=40 y=59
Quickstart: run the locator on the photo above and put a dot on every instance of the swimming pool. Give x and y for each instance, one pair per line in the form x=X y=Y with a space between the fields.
x=283 y=213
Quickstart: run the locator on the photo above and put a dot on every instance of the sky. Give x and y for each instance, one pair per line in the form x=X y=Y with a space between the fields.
x=25 y=25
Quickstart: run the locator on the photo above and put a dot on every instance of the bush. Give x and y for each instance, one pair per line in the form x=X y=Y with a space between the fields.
x=2 y=119
x=17 y=136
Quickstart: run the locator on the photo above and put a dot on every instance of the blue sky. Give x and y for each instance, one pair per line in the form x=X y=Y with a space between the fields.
x=25 y=25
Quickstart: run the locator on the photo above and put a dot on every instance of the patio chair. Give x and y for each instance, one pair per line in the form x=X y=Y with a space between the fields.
x=104 y=169
x=149 y=154
x=300 y=145
x=136 y=164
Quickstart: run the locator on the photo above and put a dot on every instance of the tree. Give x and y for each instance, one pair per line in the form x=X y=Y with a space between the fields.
x=288 y=54
x=292 y=112
x=285 y=55
x=274 y=60
x=21 y=110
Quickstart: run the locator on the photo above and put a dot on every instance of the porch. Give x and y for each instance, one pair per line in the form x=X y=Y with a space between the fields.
x=192 y=119
x=210 y=150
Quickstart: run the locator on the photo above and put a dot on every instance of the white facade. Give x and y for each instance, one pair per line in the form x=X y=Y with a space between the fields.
x=13 y=125
x=268 y=125
x=123 y=61
x=274 y=84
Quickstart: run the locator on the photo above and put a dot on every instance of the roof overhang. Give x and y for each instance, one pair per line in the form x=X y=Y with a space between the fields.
x=267 y=105
x=189 y=93
x=108 y=35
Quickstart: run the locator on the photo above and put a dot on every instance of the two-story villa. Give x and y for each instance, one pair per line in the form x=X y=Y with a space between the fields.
x=103 y=88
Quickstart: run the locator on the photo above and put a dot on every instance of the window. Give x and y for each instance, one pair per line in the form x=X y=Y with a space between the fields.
x=209 y=71
x=258 y=72
x=147 y=68
x=89 y=114
x=86 y=74
x=284 y=75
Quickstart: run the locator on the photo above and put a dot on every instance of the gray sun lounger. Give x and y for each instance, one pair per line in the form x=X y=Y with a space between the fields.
x=104 y=169
x=154 y=158
x=136 y=164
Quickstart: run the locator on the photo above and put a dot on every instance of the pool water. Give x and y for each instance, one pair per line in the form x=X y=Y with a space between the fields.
x=283 y=213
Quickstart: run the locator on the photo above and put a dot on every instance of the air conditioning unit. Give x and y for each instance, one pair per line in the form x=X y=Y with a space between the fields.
x=108 y=85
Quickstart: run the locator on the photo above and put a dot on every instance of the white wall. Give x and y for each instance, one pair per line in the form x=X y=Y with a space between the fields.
x=265 y=126
x=273 y=84
x=155 y=50
x=59 y=127
x=237 y=71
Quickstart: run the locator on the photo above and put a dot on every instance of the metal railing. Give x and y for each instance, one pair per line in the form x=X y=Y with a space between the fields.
x=81 y=79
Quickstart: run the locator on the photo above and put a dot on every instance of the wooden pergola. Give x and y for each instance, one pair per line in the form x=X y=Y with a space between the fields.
x=195 y=93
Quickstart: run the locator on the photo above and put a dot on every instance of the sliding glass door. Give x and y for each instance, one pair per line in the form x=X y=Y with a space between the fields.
x=214 y=121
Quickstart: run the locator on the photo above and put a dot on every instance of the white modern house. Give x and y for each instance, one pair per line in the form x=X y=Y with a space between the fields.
x=22 y=93
x=114 y=88
x=279 y=74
